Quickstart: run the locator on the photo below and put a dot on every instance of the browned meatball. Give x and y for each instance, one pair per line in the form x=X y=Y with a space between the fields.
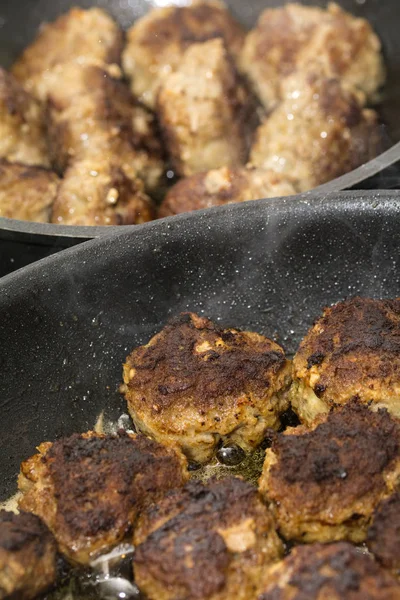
x=82 y=36
x=196 y=384
x=88 y=488
x=22 y=128
x=204 y=111
x=90 y=112
x=27 y=556
x=287 y=39
x=318 y=132
x=205 y=542
x=224 y=186
x=325 y=484
x=26 y=193
x=328 y=572
x=384 y=534
x=156 y=42
x=352 y=351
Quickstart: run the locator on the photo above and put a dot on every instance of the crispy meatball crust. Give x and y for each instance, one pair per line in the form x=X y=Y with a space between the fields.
x=90 y=111
x=196 y=384
x=318 y=132
x=286 y=40
x=224 y=186
x=82 y=36
x=384 y=534
x=26 y=193
x=22 y=125
x=352 y=351
x=88 y=488
x=328 y=572
x=205 y=541
x=27 y=556
x=156 y=43
x=325 y=484
x=204 y=111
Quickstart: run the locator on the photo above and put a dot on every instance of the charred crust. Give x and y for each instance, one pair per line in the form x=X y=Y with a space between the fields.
x=18 y=531
x=384 y=534
x=315 y=359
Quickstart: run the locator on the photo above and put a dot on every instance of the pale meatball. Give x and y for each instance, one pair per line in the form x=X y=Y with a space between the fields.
x=203 y=542
x=22 y=124
x=26 y=193
x=196 y=384
x=318 y=132
x=156 y=43
x=286 y=40
x=204 y=111
x=324 y=484
x=82 y=36
x=352 y=351
x=27 y=556
x=89 y=488
x=328 y=572
x=224 y=186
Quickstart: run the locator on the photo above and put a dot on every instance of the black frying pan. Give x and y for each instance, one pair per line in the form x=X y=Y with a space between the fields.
x=22 y=242
x=68 y=322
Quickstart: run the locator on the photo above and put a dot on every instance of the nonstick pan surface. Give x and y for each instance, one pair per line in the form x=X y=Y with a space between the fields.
x=21 y=242
x=68 y=322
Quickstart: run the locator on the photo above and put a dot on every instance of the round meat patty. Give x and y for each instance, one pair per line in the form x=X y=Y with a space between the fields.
x=324 y=484
x=328 y=572
x=205 y=542
x=27 y=556
x=224 y=186
x=89 y=488
x=384 y=534
x=157 y=42
x=352 y=351
x=196 y=385
x=287 y=39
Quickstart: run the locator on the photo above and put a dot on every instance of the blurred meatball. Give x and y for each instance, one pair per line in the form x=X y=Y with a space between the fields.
x=205 y=542
x=196 y=384
x=204 y=111
x=352 y=351
x=224 y=186
x=91 y=112
x=26 y=193
x=27 y=556
x=384 y=534
x=157 y=42
x=82 y=36
x=317 y=133
x=98 y=192
x=286 y=40
x=325 y=484
x=22 y=127
x=328 y=572
x=88 y=488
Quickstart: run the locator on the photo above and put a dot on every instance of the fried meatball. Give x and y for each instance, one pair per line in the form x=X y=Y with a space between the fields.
x=224 y=186
x=318 y=132
x=325 y=484
x=88 y=488
x=157 y=42
x=22 y=126
x=26 y=193
x=82 y=36
x=205 y=542
x=328 y=572
x=204 y=111
x=27 y=556
x=92 y=112
x=352 y=351
x=97 y=192
x=196 y=384
x=384 y=534
x=286 y=40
